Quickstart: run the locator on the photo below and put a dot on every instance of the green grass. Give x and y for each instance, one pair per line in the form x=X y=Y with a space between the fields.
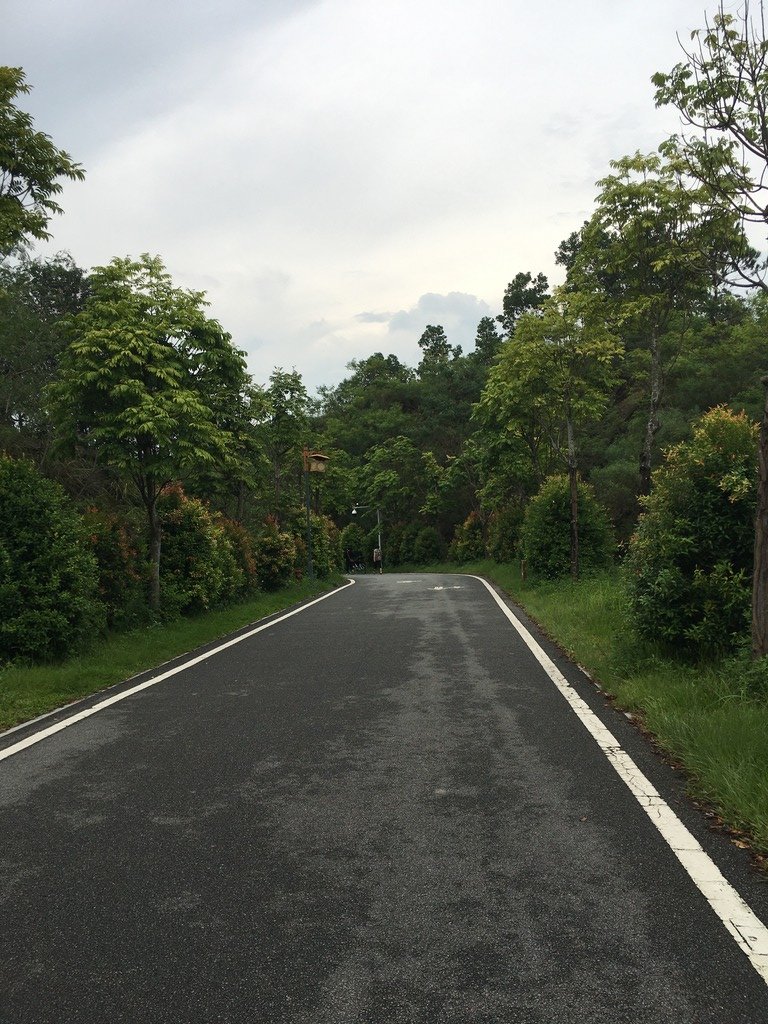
x=712 y=719
x=26 y=692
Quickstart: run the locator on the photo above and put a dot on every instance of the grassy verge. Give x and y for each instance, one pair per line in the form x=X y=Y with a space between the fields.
x=712 y=719
x=26 y=692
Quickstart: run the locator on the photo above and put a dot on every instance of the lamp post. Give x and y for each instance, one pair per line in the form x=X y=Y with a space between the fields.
x=314 y=462
x=355 y=509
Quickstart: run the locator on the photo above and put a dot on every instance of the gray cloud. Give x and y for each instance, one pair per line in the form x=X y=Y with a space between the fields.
x=457 y=312
x=306 y=160
x=373 y=318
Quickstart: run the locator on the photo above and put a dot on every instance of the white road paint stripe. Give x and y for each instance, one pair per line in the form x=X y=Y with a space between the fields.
x=65 y=723
x=747 y=930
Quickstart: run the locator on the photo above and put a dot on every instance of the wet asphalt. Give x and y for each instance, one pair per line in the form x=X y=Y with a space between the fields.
x=378 y=810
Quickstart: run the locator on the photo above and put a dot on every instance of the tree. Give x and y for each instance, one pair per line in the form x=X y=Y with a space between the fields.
x=30 y=169
x=49 y=604
x=138 y=384
x=35 y=297
x=487 y=341
x=523 y=294
x=557 y=373
x=436 y=347
x=720 y=91
x=688 y=564
x=284 y=432
x=660 y=243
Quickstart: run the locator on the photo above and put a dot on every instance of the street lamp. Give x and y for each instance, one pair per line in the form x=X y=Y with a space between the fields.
x=314 y=462
x=355 y=509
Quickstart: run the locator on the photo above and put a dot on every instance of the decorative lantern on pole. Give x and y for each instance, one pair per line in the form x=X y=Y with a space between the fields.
x=314 y=462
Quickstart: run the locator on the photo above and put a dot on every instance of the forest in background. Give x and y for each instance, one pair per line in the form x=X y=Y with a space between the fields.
x=577 y=433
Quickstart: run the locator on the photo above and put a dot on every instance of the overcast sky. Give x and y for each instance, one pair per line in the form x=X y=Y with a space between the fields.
x=337 y=174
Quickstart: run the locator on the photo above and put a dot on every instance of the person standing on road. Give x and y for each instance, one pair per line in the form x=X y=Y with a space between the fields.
x=377 y=560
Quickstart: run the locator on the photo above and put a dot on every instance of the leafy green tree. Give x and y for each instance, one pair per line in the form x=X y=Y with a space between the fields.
x=139 y=383
x=487 y=341
x=660 y=243
x=547 y=525
x=523 y=294
x=689 y=561
x=49 y=604
x=394 y=478
x=436 y=348
x=720 y=91
x=35 y=298
x=555 y=377
x=284 y=433
x=30 y=169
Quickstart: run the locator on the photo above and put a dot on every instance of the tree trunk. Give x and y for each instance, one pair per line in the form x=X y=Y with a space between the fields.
x=573 y=482
x=155 y=545
x=652 y=426
x=760 y=571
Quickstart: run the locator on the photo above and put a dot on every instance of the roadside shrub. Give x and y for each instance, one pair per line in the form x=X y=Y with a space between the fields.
x=326 y=547
x=468 y=542
x=689 y=564
x=241 y=543
x=121 y=568
x=49 y=603
x=546 y=530
x=405 y=551
x=504 y=532
x=198 y=565
x=275 y=554
x=427 y=546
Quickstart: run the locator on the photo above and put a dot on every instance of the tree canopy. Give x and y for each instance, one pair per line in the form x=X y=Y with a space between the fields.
x=31 y=169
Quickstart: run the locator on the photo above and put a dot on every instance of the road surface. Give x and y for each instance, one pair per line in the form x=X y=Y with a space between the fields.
x=379 y=809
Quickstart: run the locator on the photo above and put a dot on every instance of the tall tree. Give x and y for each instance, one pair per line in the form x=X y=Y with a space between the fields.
x=285 y=432
x=35 y=298
x=31 y=169
x=720 y=90
x=436 y=348
x=557 y=374
x=140 y=382
x=657 y=239
x=487 y=341
x=523 y=294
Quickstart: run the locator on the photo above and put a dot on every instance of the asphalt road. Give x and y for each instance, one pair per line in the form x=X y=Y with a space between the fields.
x=380 y=809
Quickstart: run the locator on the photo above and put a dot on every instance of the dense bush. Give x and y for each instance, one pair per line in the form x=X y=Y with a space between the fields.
x=504 y=532
x=689 y=562
x=427 y=546
x=241 y=543
x=275 y=555
x=546 y=530
x=198 y=565
x=122 y=568
x=468 y=542
x=400 y=549
x=49 y=604
x=326 y=547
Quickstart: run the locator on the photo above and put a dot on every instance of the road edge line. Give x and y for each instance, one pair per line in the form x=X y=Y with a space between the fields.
x=37 y=737
x=744 y=926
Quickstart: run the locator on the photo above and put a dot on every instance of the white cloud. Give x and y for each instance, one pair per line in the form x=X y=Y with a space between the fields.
x=304 y=161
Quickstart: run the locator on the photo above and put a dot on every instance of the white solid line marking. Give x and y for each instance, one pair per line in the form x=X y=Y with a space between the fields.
x=747 y=930
x=52 y=729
